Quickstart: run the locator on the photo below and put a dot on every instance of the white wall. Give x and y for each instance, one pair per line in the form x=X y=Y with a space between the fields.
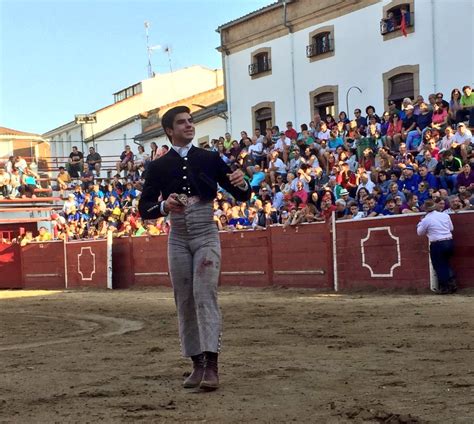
x=113 y=143
x=60 y=144
x=454 y=44
x=361 y=57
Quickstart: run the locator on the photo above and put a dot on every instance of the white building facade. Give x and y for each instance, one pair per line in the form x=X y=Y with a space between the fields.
x=117 y=124
x=295 y=58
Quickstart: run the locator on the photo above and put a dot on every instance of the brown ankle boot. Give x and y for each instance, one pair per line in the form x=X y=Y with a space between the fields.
x=210 y=379
x=194 y=379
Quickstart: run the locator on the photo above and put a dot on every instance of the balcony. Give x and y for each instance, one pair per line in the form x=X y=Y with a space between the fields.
x=260 y=67
x=388 y=26
x=317 y=49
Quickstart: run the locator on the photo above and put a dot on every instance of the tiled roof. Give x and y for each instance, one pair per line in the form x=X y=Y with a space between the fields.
x=10 y=131
x=251 y=14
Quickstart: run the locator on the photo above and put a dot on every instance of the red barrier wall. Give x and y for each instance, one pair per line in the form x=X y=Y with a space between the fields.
x=381 y=253
x=87 y=263
x=122 y=264
x=246 y=258
x=463 y=260
x=10 y=266
x=302 y=256
x=150 y=261
x=43 y=265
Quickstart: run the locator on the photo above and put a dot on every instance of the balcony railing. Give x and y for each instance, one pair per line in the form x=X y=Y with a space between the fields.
x=259 y=67
x=394 y=24
x=317 y=49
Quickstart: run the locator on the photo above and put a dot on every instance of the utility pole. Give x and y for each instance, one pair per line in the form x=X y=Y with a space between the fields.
x=149 y=49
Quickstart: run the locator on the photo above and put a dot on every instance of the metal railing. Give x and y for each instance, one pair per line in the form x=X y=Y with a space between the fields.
x=319 y=48
x=259 y=67
x=388 y=26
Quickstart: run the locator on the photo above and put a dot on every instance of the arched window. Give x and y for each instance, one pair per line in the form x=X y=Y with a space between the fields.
x=398 y=19
x=321 y=43
x=401 y=86
x=324 y=104
x=260 y=63
x=263 y=119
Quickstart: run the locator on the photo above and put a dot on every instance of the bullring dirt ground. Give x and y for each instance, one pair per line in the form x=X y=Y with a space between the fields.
x=288 y=356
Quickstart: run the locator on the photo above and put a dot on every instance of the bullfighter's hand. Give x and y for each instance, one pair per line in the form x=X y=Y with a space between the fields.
x=173 y=205
x=237 y=178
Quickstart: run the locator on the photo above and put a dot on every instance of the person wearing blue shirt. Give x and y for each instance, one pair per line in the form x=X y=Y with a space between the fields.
x=374 y=208
x=112 y=202
x=278 y=197
x=257 y=178
x=129 y=191
x=409 y=180
x=428 y=177
x=422 y=192
x=79 y=196
x=389 y=207
x=95 y=192
x=334 y=141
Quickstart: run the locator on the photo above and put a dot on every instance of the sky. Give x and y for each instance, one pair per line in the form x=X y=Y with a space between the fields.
x=66 y=57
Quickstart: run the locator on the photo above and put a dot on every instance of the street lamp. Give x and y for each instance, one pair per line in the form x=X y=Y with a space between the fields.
x=84 y=118
x=347 y=97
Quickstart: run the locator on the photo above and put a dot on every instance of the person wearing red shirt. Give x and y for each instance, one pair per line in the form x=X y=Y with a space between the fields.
x=301 y=193
x=327 y=208
x=290 y=131
x=394 y=132
x=347 y=179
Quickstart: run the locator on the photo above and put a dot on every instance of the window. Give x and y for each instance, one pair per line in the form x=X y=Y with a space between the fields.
x=263 y=119
x=398 y=19
x=261 y=63
x=324 y=101
x=324 y=104
x=263 y=116
x=401 y=86
x=401 y=82
x=321 y=43
x=128 y=92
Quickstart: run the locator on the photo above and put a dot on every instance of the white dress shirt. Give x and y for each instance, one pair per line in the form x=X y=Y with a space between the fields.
x=436 y=225
x=182 y=150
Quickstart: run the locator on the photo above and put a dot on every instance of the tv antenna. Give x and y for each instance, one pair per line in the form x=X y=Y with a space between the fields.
x=150 y=49
x=167 y=50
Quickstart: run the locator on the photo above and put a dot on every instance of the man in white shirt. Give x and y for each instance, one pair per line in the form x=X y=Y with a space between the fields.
x=463 y=139
x=256 y=150
x=295 y=162
x=438 y=227
x=366 y=183
x=462 y=135
x=282 y=146
x=276 y=166
x=259 y=136
x=323 y=133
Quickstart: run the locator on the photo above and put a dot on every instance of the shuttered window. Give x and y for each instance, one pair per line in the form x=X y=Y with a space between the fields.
x=401 y=86
x=324 y=104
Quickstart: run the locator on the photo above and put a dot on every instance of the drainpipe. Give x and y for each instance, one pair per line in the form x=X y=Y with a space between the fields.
x=433 y=41
x=227 y=91
x=292 y=58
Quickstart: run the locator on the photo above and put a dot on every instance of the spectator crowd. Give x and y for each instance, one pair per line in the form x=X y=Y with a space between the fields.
x=368 y=166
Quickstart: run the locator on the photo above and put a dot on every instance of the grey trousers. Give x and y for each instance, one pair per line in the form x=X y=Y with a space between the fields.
x=194 y=258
